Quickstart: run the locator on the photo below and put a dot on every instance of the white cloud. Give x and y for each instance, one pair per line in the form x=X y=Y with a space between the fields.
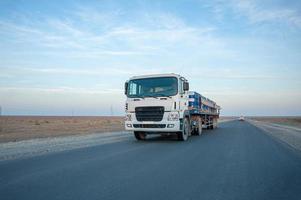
x=9 y=27
x=103 y=20
x=257 y=13
x=103 y=72
x=147 y=35
x=63 y=90
x=66 y=27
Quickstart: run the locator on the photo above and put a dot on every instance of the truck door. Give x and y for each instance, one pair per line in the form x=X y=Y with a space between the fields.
x=183 y=99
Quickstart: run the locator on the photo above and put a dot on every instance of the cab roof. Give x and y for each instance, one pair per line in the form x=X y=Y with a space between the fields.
x=157 y=75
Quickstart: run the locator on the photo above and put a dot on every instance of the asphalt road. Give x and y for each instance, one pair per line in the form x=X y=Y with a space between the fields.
x=235 y=161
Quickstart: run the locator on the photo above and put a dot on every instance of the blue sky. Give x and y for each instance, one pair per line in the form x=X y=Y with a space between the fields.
x=64 y=57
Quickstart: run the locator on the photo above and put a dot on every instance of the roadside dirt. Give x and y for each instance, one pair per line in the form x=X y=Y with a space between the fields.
x=287 y=121
x=16 y=128
x=288 y=134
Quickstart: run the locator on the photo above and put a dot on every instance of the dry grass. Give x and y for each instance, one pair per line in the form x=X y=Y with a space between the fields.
x=15 y=128
x=287 y=121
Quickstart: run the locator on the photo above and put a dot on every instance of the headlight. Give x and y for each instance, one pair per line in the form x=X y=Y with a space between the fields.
x=128 y=117
x=173 y=117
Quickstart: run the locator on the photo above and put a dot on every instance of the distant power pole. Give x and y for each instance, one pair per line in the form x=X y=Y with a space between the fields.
x=0 y=110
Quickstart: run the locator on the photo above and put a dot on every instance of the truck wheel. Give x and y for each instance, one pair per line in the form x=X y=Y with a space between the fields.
x=140 y=135
x=199 y=129
x=215 y=123
x=183 y=135
x=210 y=125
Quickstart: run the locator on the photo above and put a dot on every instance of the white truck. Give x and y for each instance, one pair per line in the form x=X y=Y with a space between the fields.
x=163 y=104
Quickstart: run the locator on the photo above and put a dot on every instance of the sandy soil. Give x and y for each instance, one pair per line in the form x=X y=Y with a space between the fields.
x=287 y=121
x=16 y=128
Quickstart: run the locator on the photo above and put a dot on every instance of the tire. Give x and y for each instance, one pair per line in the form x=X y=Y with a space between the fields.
x=194 y=131
x=215 y=123
x=183 y=135
x=210 y=126
x=140 y=135
x=199 y=129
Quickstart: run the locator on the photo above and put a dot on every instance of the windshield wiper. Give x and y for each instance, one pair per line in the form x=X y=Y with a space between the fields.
x=142 y=97
x=163 y=95
x=152 y=97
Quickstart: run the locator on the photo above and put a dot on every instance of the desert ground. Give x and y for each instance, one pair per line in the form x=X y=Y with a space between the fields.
x=286 y=121
x=16 y=128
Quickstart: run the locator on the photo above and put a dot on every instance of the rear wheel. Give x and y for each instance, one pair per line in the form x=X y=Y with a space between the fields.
x=140 y=135
x=210 y=124
x=215 y=123
x=199 y=129
x=183 y=135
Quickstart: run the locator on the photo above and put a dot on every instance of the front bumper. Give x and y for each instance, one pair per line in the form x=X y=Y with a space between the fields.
x=153 y=127
x=149 y=126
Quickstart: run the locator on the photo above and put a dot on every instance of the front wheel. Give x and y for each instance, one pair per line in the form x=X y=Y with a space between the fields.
x=183 y=135
x=140 y=135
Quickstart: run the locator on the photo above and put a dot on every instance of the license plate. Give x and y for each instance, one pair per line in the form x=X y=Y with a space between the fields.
x=143 y=122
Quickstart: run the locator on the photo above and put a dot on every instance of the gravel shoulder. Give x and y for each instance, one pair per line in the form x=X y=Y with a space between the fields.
x=40 y=146
x=291 y=135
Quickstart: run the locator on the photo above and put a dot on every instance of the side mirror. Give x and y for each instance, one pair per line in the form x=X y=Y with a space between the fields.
x=185 y=86
x=126 y=88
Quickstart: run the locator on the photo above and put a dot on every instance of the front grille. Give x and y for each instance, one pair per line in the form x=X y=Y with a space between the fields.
x=150 y=113
x=149 y=125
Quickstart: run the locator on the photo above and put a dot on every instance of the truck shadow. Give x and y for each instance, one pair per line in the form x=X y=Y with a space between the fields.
x=173 y=137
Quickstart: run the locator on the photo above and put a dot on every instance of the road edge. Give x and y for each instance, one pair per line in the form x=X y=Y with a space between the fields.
x=289 y=136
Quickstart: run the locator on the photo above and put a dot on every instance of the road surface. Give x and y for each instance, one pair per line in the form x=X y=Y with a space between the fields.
x=235 y=161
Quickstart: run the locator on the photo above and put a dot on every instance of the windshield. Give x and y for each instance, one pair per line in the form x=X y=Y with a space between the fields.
x=153 y=87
